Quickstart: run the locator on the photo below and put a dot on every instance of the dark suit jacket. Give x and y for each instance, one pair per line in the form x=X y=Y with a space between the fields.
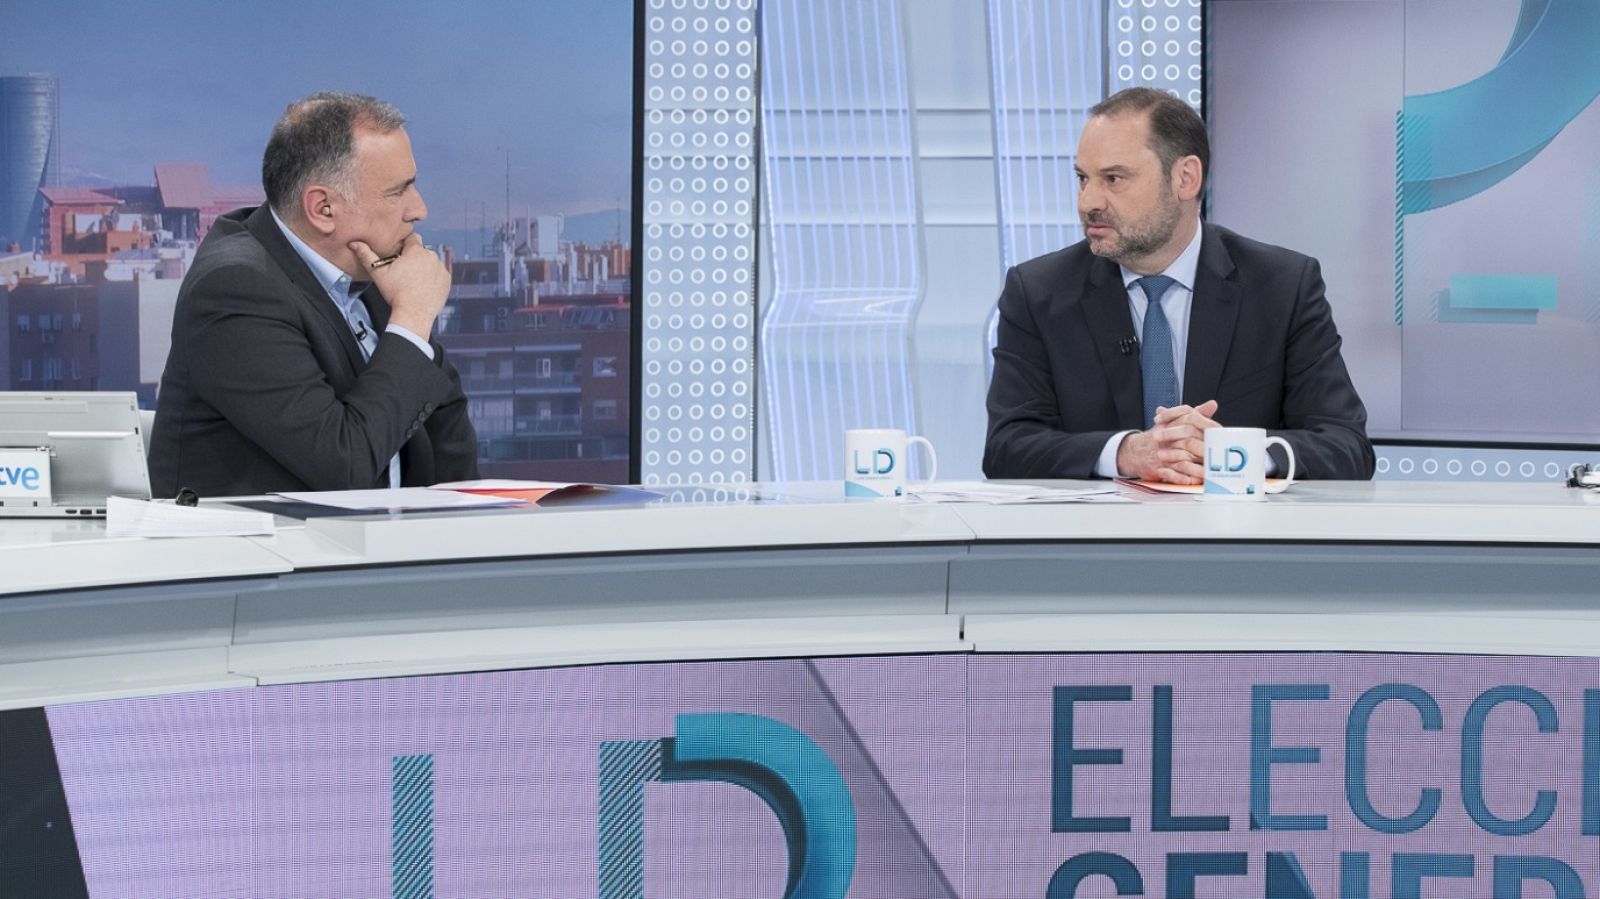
x=1261 y=343
x=265 y=388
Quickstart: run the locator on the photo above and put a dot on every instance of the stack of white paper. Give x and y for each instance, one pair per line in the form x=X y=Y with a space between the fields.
x=992 y=493
x=142 y=518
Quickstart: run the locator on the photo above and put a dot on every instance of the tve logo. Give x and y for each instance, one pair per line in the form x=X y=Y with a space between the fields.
x=24 y=476
x=25 y=473
x=781 y=765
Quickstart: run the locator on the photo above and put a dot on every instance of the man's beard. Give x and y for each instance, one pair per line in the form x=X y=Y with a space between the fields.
x=1139 y=239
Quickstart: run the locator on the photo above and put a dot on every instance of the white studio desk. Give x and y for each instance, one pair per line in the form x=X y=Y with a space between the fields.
x=793 y=570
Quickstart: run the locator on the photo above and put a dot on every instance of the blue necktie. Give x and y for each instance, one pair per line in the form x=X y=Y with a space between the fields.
x=1155 y=351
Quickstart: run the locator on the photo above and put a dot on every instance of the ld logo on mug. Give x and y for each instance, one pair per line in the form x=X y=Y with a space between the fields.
x=1236 y=464
x=875 y=461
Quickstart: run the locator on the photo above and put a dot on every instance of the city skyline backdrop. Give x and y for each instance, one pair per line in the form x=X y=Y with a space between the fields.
x=550 y=84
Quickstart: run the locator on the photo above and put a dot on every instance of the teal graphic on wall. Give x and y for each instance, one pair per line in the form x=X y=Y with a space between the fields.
x=789 y=772
x=1454 y=144
x=412 y=827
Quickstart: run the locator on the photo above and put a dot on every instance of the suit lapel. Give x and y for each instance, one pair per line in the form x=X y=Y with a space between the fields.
x=377 y=308
x=1213 y=313
x=277 y=246
x=1105 y=305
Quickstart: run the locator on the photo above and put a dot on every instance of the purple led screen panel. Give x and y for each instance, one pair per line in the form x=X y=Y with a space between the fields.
x=1203 y=775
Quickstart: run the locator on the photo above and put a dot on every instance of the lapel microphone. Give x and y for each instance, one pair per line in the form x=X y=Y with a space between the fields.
x=356 y=290
x=1127 y=345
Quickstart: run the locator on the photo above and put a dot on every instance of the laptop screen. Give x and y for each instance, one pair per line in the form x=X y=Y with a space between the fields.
x=95 y=443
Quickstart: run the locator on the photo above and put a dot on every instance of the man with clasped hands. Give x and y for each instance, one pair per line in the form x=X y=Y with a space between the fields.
x=1091 y=380
x=300 y=356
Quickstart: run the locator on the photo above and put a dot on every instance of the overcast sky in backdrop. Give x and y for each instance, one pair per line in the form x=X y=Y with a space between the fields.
x=203 y=81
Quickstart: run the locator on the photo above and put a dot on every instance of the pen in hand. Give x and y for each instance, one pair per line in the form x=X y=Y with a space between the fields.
x=382 y=261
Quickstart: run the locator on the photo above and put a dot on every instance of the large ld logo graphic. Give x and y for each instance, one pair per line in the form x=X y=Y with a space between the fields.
x=782 y=766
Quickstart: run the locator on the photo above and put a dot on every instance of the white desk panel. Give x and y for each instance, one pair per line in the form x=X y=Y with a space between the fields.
x=299 y=547
x=66 y=554
x=654 y=527
x=1441 y=633
x=797 y=569
x=1329 y=511
x=28 y=684
x=346 y=658
x=616 y=590
x=1085 y=577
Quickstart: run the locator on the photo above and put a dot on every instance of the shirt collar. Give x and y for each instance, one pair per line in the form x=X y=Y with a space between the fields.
x=338 y=284
x=1182 y=270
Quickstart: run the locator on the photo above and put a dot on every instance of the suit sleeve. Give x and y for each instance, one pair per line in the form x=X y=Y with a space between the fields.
x=1026 y=438
x=252 y=360
x=1323 y=417
x=455 y=443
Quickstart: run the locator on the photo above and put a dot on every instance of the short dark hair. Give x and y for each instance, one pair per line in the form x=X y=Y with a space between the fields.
x=314 y=142
x=1176 y=130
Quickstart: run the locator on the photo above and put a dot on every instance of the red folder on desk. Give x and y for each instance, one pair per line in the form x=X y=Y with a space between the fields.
x=529 y=491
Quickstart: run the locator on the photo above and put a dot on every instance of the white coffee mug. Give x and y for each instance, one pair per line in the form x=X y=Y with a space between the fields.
x=875 y=461
x=1236 y=464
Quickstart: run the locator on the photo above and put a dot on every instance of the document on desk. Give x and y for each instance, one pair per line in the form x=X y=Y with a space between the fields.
x=399 y=499
x=1000 y=494
x=143 y=518
x=1274 y=485
x=531 y=491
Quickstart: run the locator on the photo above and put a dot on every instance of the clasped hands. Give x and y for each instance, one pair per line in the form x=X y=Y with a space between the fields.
x=1172 y=449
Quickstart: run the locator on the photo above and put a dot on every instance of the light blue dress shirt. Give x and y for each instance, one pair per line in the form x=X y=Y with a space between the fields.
x=345 y=293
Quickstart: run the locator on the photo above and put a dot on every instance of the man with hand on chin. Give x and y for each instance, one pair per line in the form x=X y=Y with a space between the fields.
x=300 y=356
x=1116 y=354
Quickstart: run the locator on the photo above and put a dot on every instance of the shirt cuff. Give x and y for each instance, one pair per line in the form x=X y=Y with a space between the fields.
x=1106 y=465
x=416 y=341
